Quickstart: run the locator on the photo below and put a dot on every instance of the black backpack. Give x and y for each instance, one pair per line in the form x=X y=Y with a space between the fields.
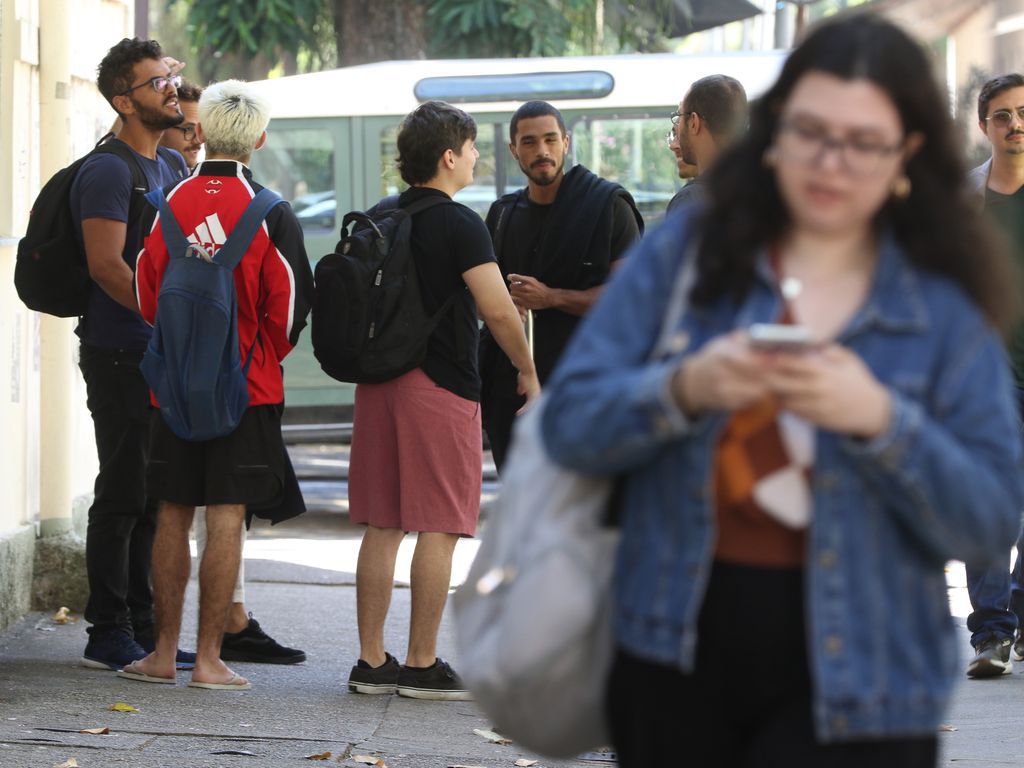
x=369 y=324
x=51 y=274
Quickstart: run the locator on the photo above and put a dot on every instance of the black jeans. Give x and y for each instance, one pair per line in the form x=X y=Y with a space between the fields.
x=122 y=520
x=748 y=703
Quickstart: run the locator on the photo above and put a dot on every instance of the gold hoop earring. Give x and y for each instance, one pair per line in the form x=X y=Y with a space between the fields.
x=770 y=158
x=901 y=187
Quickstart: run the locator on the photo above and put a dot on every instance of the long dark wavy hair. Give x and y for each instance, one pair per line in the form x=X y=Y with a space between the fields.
x=939 y=226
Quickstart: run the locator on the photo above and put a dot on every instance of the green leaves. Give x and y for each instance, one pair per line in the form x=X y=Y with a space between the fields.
x=267 y=27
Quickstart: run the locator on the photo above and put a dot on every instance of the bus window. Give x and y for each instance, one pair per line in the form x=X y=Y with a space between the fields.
x=632 y=152
x=298 y=163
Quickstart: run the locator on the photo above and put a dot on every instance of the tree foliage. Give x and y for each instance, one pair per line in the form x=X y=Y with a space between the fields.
x=252 y=37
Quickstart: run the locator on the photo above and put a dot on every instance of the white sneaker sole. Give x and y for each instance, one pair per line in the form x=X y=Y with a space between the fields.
x=371 y=688
x=433 y=694
x=990 y=669
x=91 y=664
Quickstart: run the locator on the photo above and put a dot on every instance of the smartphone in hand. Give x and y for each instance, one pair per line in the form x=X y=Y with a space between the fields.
x=777 y=337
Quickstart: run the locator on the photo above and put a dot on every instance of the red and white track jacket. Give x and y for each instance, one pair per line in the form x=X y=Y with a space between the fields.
x=274 y=281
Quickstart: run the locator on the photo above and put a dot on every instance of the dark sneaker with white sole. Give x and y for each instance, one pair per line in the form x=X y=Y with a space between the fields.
x=183 y=660
x=991 y=658
x=437 y=682
x=112 y=649
x=254 y=645
x=1017 y=654
x=374 y=680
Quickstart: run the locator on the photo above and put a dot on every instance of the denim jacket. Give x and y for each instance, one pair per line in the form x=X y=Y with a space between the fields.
x=944 y=482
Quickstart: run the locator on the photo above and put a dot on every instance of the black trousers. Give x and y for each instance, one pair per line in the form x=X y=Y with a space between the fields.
x=122 y=520
x=748 y=702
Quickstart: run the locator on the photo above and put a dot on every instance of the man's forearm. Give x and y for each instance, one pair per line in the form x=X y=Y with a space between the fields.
x=507 y=331
x=117 y=283
x=574 y=302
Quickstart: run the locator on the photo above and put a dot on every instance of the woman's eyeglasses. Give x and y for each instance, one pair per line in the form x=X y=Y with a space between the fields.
x=808 y=144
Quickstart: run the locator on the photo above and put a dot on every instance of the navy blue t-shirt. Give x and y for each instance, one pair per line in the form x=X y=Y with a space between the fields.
x=103 y=190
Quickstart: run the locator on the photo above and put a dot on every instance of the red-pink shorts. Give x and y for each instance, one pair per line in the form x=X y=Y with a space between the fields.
x=417 y=457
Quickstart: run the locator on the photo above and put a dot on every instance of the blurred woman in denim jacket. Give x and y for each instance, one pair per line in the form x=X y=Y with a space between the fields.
x=780 y=592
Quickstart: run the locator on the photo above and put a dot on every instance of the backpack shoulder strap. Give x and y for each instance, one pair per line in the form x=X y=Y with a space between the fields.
x=122 y=150
x=173 y=160
x=231 y=253
x=174 y=238
x=428 y=201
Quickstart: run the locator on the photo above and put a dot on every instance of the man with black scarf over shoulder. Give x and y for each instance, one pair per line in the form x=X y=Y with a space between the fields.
x=556 y=241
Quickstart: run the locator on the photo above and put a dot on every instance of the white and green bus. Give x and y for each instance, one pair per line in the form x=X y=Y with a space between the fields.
x=332 y=140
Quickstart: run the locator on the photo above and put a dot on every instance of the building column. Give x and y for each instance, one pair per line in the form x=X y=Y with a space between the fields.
x=56 y=335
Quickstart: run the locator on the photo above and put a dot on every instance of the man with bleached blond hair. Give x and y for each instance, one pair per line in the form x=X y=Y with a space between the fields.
x=247 y=467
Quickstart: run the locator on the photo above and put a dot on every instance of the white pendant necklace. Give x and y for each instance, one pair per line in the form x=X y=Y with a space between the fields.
x=791 y=287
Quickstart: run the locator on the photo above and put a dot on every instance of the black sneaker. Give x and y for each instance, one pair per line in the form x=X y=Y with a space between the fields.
x=991 y=658
x=255 y=645
x=146 y=638
x=366 y=679
x=111 y=649
x=1017 y=654
x=437 y=682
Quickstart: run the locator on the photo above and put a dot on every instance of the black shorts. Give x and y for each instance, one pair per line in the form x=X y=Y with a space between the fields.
x=245 y=467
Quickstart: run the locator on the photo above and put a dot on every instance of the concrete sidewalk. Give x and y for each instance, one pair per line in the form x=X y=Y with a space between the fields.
x=46 y=697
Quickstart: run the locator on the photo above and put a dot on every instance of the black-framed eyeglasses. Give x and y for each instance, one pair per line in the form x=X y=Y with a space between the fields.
x=1004 y=117
x=159 y=83
x=188 y=131
x=809 y=144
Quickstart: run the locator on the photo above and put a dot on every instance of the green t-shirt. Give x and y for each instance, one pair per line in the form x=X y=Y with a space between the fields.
x=1008 y=212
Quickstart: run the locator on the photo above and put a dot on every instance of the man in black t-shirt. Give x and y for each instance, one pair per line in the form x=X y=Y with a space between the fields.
x=997 y=594
x=556 y=241
x=416 y=461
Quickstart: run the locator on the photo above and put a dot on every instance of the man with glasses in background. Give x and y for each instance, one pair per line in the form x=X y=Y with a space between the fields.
x=997 y=594
x=107 y=202
x=711 y=115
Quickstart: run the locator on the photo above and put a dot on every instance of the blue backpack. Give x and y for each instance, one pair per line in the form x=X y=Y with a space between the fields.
x=192 y=363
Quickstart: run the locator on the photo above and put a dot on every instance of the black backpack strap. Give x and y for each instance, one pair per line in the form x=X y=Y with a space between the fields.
x=139 y=183
x=425 y=202
x=238 y=242
x=173 y=159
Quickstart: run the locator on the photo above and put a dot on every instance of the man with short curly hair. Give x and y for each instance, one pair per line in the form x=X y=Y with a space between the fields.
x=107 y=202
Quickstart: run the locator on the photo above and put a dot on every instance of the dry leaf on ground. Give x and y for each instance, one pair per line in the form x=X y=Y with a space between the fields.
x=122 y=707
x=321 y=756
x=369 y=760
x=63 y=616
x=69 y=763
x=523 y=763
x=491 y=736
x=947 y=728
x=96 y=731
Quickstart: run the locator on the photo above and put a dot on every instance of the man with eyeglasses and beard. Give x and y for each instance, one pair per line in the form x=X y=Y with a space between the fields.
x=107 y=201
x=556 y=241
x=997 y=594
x=710 y=117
